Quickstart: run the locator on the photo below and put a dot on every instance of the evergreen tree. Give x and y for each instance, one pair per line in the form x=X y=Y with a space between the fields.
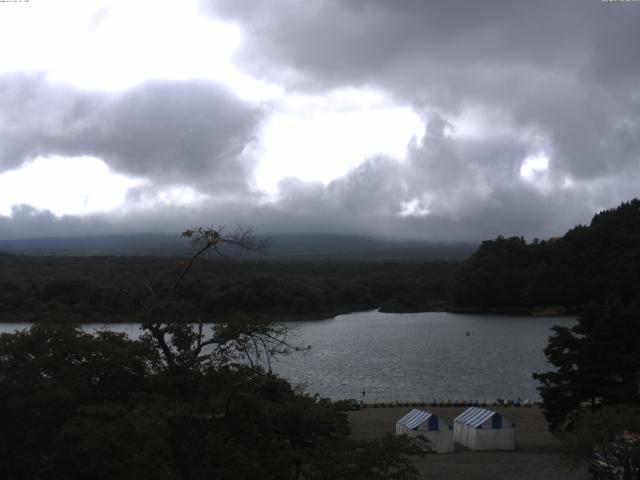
x=597 y=363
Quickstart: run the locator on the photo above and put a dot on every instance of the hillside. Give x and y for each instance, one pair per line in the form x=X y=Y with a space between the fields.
x=589 y=264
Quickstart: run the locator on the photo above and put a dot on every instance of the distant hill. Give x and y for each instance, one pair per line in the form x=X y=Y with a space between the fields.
x=281 y=247
x=589 y=264
x=352 y=247
x=142 y=244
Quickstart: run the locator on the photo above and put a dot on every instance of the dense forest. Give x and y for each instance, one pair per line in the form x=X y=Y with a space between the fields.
x=100 y=286
x=589 y=264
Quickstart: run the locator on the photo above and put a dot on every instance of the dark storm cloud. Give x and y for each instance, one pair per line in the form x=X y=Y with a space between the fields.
x=332 y=42
x=464 y=189
x=567 y=70
x=468 y=188
x=171 y=132
x=558 y=78
x=336 y=41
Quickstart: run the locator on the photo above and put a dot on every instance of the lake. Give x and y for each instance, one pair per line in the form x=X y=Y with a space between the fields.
x=416 y=356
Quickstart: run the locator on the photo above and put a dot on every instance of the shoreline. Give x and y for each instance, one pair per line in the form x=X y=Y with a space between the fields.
x=455 y=403
x=80 y=319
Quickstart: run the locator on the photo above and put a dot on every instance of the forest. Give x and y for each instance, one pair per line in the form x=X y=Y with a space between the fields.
x=99 y=287
x=588 y=265
x=185 y=403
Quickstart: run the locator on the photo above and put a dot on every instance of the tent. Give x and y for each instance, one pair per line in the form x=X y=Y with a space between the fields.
x=437 y=431
x=481 y=429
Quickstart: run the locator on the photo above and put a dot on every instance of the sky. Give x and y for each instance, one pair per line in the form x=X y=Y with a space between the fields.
x=409 y=119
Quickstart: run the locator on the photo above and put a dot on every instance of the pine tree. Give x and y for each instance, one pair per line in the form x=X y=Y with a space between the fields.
x=597 y=363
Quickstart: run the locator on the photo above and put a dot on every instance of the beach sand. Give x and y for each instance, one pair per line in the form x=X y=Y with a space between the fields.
x=537 y=455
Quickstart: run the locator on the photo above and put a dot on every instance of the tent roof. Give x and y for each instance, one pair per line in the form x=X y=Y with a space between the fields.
x=474 y=416
x=414 y=418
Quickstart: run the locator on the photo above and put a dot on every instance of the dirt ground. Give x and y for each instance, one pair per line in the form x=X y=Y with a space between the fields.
x=537 y=455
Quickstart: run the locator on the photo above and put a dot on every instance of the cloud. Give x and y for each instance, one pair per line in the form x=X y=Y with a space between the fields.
x=170 y=132
x=446 y=189
x=564 y=71
x=449 y=187
x=496 y=84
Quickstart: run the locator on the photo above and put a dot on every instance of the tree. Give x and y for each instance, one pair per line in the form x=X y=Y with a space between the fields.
x=185 y=348
x=609 y=438
x=48 y=374
x=597 y=363
x=385 y=458
x=179 y=403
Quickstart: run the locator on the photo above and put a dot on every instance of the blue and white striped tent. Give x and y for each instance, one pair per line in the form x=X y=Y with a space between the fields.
x=482 y=429
x=436 y=430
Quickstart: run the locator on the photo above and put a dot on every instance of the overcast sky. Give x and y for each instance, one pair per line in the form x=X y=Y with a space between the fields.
x=438 y=120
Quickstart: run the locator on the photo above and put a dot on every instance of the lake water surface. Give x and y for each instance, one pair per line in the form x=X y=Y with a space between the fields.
x=417 y=356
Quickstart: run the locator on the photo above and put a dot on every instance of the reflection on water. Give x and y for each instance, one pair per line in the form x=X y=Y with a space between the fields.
x=419 y=356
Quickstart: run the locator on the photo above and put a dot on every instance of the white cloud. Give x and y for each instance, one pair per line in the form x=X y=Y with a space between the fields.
x=534 y=166
x=86 y=186
x=414 y=208
x=65 y=186
x=320 y=138
x=149 y=198
x=113 y=45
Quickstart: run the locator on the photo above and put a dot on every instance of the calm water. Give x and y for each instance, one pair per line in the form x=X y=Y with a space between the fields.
x=421 y=356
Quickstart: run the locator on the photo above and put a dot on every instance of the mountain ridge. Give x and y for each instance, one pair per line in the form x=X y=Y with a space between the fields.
x=281 y=246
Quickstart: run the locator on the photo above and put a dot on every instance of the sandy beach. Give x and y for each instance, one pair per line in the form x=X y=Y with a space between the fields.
x=537 y=455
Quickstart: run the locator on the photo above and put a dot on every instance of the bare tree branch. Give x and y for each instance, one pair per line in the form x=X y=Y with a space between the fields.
x=232 y=340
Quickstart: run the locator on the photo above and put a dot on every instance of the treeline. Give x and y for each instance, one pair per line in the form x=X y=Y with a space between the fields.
x=113 y=286
x=591 y=396
x=589 y=265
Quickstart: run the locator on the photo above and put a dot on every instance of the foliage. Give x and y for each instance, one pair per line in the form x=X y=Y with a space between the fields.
x=383 y=458
x=609 y=438
x=91 y=287
x=232 y=422
x=597 y=363
x=47 y=375
x=177 y=403
x=587 y=265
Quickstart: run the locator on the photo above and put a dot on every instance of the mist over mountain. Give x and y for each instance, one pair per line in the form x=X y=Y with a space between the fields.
x=279 y=247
